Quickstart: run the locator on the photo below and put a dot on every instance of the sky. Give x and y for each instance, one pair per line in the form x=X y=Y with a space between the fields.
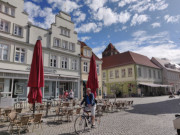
x=148 y=27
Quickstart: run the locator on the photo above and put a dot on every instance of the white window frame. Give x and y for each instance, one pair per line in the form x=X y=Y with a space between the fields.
x=150 y=74
x=6 y=7
x=123 y=73
x=85 y=66
x=88 y=53
x=111 y=75
x=85 y=52
x=74 y=65
x=117 y=73
x=4 y=24
x=65 y=44
x=16 y=30
x=12 y=12
x=71 y=46
x=2 y=49
x=64 y=62
x=129 y=72
x=53 y=61
x=20 y=54
x=55 y=42
x=65 y=31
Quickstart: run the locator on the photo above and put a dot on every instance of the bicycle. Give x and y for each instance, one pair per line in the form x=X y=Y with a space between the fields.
x=84 y=120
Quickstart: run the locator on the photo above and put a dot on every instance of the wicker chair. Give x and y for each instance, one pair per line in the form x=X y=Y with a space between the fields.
x=66 y=104
x=13 y=119
x=18 y=110
x=70 y=114
x=22 y=124
x=6 y=113
x=36 y=120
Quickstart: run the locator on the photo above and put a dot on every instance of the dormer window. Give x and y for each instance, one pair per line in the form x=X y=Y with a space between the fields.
x=87 y=53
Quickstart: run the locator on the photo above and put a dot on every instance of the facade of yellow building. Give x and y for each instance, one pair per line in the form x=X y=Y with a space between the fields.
x=86 y=53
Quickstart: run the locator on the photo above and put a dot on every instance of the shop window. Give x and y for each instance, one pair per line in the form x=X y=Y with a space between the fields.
x=20 y=55
x=117 y=73
x=85 y=67
x=18 y=30
x=129 y=72
x=123 y=73
x=64 y=63
x=53 y=61
x=74 y=64
x=4 y=26
x=3 y=52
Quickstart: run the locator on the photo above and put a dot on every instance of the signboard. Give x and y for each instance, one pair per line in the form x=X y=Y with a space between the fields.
x=6 y=102
x=19 y=89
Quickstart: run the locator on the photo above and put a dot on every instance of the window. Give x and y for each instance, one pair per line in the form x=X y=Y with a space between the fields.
x=1 y=84
x=20 y=55
x=97 y=68
x=3 y=52
x=123 y=73
x=129 y=72
x=53 y=61
x=154 y=72
x=139 y=72
x=65 y=44
x=71 y=46
x=88 y=53
x=111 y=74
x=104 y=75
x=85 y=67
x=6 y=10
x=149 y=73
x=4 y=26
x=117 y=73
x=57 y=42
x=64 y=63
x=85 y=52
x=74 y=64
x=18 y=30
x=0 y=7
x=159 y=75
x=12 y=11
x=65 y=32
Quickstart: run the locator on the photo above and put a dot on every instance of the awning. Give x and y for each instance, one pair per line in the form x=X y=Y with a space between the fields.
x=155 y=85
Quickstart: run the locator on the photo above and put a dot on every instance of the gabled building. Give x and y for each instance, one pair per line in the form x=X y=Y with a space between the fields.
x=110 y=50
x=86 y=53
x=131 y=74
x=61 y=52
x=171 y=72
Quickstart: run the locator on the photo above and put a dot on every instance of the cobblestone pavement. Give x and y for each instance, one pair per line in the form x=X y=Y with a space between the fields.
x=148 y=116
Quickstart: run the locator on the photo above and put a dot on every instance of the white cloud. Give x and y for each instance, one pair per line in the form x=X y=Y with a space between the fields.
x=95 y=4
x=85 y=38
x=151 y=45
x=80 y=16
x=35 y=11
x=38 y=1
x=139 y=19
x=156 y=24
x=172 y=19
x=122 y=3
x=89 y=27
x=98 y=50
x=124 y=17
x=64 y=5
x=114 y=0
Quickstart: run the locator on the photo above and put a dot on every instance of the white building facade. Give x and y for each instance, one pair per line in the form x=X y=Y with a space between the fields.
x=170 y=71
x=61 y=52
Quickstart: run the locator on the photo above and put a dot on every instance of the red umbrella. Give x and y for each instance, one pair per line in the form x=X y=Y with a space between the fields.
x=36 y=77
x=92 y=82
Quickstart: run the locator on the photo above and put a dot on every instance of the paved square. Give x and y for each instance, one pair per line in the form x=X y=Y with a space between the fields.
x=148 y=116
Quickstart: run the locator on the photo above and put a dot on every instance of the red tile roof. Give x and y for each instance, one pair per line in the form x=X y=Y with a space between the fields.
x=126 y=58
x=84 y=44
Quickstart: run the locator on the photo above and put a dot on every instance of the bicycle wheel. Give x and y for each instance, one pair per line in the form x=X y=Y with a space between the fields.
x=79 y=124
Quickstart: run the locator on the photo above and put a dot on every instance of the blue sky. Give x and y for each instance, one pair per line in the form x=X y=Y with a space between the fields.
x=148 y=27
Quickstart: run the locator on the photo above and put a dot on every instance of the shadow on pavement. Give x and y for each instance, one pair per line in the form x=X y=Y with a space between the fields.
x=4 y=133
x=164 y=107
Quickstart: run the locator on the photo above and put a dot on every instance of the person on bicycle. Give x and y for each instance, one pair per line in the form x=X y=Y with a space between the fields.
x=90 y=105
